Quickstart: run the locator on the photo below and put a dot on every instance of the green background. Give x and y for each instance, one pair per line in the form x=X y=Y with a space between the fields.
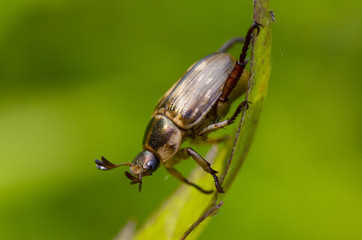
x=79 y=79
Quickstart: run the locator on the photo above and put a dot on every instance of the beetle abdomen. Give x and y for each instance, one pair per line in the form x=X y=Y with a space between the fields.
x=192 y=97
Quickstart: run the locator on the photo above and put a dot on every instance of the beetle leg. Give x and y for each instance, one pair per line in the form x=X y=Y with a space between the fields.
x=240 y=65
x=226 y=46
x=179 y=176
x=218 y=125
x=205 y=165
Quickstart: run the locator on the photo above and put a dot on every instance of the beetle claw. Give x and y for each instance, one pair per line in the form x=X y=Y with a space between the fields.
x=246 y=104
x=257 y=27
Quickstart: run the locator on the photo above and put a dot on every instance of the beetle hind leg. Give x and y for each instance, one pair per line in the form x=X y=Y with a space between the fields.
x=236 y=73
x=179 y=176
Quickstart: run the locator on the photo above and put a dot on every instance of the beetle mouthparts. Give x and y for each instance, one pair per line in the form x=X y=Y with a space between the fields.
x=131 y=177
x=134 y=179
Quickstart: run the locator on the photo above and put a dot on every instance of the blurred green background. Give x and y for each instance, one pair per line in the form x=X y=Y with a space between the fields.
x=79 y=79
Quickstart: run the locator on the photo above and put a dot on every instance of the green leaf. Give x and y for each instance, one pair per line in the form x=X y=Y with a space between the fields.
x=180 y=215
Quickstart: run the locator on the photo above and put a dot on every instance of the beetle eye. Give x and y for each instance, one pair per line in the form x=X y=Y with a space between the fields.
x=152 y=164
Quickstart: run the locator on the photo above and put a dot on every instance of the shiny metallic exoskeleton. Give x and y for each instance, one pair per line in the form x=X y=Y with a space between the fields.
x=192 y=108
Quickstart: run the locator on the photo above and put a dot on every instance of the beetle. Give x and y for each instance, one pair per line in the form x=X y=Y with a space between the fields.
x=191 y=109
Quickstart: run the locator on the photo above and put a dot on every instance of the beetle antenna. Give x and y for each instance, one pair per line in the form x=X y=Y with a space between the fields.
x=104 y=164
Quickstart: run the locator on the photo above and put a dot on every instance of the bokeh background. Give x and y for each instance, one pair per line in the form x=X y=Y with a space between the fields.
x=80 y=78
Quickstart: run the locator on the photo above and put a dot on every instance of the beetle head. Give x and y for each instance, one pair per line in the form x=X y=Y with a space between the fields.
x=144 y=164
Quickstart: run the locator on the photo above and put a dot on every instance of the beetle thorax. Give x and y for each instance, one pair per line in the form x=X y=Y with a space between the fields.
x=162 y=137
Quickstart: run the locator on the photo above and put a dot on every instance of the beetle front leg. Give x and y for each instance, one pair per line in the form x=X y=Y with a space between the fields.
x=205 y=165
x=179 y=176
x=216 y=126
